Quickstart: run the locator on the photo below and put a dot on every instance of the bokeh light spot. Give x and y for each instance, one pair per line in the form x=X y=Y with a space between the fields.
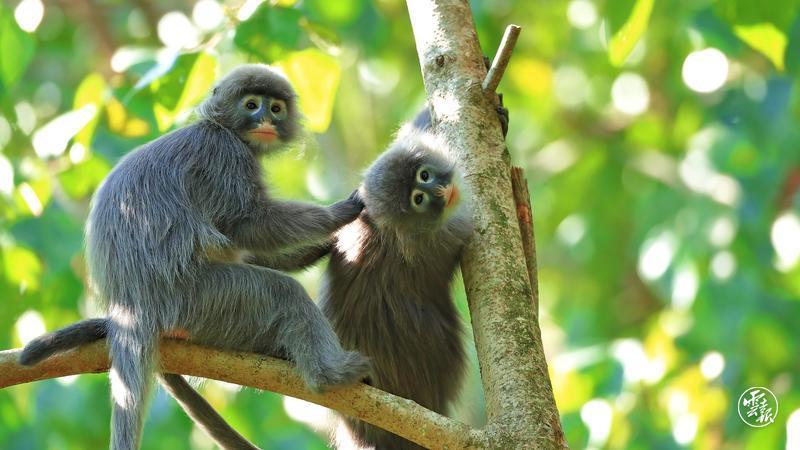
x=572 y=229
x=581 y=14
x=175 y=30
x=705 y=71
x=207 y=14
x=722 y=231
x=723 y=265
x=29 y=14
x=5 y=132
x=684 y=429
x=29 y=325
x=785 y=236
x=571 y=86
x=793 y=430
x=597 y=415
x=656 y=255
x=6 y=176
x=684 y=287
x=26 y=117
x=712 y=365
x=630 y=94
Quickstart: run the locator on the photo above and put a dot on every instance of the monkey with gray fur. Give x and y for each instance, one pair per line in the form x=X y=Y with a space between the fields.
x=165 y=239
x=386 y=290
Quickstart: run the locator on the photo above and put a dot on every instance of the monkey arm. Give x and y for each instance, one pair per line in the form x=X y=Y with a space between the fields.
x=293 y=260
x=278 y=225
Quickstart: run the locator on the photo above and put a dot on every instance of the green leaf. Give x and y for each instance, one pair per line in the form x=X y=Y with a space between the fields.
x=748 y=12
x=183 y=87
x=765 y=38
x=22 y=268
x=315 y=76
x=55 y=236
x=339 y=13
x=91 y=91
x=269 y=31
x=16 y=46
x=82 y=179
x=792 y=55
x=623 y=41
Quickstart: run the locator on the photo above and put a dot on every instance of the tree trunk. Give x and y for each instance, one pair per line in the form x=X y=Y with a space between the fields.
x=520 y=406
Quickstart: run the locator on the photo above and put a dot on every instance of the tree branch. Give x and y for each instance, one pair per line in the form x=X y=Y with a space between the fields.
x=398 y=415
x=522 y=200
x=520 y=406
x=501 y=58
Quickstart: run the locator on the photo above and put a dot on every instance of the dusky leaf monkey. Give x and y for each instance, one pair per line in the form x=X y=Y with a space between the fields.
x=386 y=290
x=167 y=239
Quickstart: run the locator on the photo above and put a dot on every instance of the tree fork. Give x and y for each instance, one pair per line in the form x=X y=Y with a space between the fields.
x=520 y=405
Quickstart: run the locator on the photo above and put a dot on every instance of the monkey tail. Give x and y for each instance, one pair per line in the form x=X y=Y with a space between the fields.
x=204 y=414
x=133 y=353
x=63 y=339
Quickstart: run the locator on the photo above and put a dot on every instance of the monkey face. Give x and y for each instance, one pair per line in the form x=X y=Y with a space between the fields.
x=258 y=104
x=411 y=186
x=264 y=116
x=433 y=190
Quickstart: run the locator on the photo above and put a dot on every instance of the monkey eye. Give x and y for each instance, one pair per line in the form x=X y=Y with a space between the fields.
x=252 y=103
x=418 y=199
x=423 y=174
x=278 y=108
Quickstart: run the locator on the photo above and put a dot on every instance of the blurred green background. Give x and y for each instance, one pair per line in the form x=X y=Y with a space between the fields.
x=660 y=139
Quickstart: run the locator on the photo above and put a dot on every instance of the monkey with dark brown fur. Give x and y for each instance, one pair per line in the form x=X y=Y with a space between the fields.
x=165 y=239
x=387 y=287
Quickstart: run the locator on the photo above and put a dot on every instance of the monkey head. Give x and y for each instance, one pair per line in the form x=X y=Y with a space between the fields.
x=258 y=104
x=412 y=185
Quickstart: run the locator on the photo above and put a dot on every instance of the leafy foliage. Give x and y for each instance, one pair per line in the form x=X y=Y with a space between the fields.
x=660 y=140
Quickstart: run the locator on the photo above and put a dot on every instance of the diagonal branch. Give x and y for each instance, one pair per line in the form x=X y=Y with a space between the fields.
x=501 y=58
x=398 y=415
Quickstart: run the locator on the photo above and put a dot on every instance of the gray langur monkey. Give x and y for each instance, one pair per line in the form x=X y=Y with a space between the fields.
x=166 y=238
x=386 y=290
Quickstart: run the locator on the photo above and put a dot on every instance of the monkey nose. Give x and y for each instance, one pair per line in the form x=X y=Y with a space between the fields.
x=265 y=132
x=451 y=195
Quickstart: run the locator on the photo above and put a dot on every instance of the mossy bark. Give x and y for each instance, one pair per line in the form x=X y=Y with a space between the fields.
x=520 y=406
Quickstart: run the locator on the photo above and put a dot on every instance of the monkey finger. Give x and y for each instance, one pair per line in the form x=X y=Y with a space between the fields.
x=355 y=196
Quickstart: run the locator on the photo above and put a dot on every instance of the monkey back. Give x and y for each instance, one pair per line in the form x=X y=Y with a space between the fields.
x=162 y=208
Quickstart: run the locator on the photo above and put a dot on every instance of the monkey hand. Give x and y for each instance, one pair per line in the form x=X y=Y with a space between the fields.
x=502 y=114
x=347 y=210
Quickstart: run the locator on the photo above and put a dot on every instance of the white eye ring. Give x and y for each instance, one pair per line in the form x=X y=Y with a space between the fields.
x=280 y=106
x=423 y=175
x=251 y=103
x=418 y=198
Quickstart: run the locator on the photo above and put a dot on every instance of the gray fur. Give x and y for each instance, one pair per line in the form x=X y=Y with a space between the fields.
x=387 y=287
x=63 y=339
x=160 y=238
x=204 y=414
